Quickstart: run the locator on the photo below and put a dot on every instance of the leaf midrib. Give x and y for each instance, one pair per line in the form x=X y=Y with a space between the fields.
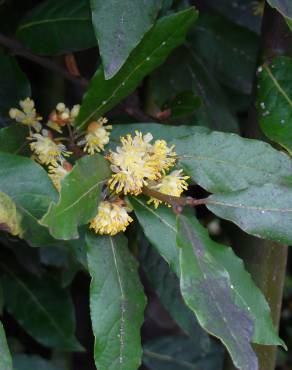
x=278 y=86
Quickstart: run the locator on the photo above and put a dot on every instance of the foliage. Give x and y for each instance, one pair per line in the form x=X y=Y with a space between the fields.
x=127 y=201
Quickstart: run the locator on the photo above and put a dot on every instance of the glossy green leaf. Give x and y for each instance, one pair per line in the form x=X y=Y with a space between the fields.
x=119 y=33
x=264 y=211
x=13 y=139
x=274 y=100
x=230 y=51
x=57 y=27
x=117 y=303
x=5 y=357
x=166 y=285
x=289 y=22
x=283 y=6
x=32 y=195
x=207 y=290
x=179 y=353
x=214 y=111
x=221 y=162
x=79 y=197
x=163 y=37
x=26 y=362
x=155 y=223
x=14 y=86
x=42 y=308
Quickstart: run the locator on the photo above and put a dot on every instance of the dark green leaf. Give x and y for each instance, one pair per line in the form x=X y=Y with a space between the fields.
x=13 y=138
x=289 y=22
x=119 y=33
x=183 y=104
x=166 y=285
x=57 y=27
x=283 y=6
x=117 y=303
x=221 y=162
x=79 y=197
x=155 y=223
x=32 y=195
x=274 y=100
x=25 y=362
x=229 y=50
x=103 y=94
x=14 y=86
x=192 y=75
x=5 y=357
x=207 y=289
x=42 y=308
x=179 y=353
x=241 y=12
x=264 y=211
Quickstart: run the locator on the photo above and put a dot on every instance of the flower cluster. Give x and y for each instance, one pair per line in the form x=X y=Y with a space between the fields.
x=97 y=136
x=138 y=162
x=112 y=217
x=27 y=115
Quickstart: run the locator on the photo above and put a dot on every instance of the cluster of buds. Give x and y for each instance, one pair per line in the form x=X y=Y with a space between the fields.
x=62 y=116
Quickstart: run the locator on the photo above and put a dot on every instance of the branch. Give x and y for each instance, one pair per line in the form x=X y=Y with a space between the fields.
x=175 y=202
x=18 y=49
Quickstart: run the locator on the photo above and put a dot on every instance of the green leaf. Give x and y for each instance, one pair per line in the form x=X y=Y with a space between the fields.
x=6 y=361
x=183 y=104
x=13 y=138
x=57 y=27
x=155 y=223
x=289 y=22
x=79 y=197
x=264 y=211
x=14 y=86
x=10 y=219
x=283 y=6
x=158 y=131
x=274 y=100
x=25 y=362
x=163 y=37
x=148 y=217
x=179 y=353
x=221 y=162
x=230 y=51
x=166 y=285
x=241 y=12
x=119 y=33
x=32 y=195
x=46 y=311
x=117 y=303
x=207 y=290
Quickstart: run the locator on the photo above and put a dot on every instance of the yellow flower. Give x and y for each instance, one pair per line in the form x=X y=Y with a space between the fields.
x=46 y=150
x=57 y=172
x=27 y=116
x=163 y=155
x=172 y=184
x=111 y=218
x=62 y=116
x=137 y=161
x=97 y=136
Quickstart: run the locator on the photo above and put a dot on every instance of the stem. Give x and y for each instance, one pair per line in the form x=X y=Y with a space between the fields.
x=176 y=202
x=18 y=49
